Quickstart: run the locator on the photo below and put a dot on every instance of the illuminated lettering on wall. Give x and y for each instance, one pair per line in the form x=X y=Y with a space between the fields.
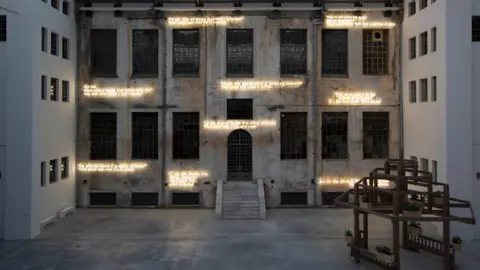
x=352 y=98
x=349 y=181
x=126 y=167
x=333 y=21
x=93 y=91
x=258 y=85
x=185 y=179
x=237 y=124
x=204 y=21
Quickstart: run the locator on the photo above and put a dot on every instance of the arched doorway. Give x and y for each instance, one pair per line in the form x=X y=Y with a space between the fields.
x=239 y=155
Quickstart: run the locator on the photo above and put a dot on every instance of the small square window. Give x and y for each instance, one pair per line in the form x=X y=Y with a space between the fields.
x=423 y=90
x=66 y=8
x=43 y=174
x=64 y=168
x=413 y=47
x=434 y=88
x=53 y=89
x=412 y=8
x=54 y=43
x=53 y=171
x=65 y=91
x=413 y=91
x=65 y=48
x=44 y=39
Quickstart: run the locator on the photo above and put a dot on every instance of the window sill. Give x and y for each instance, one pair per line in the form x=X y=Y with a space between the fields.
x=186 y=76
x=144 y=76
x=335 y=76
x=294 y=159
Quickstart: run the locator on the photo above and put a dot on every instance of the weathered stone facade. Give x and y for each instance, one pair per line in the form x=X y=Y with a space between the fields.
x=203 y=95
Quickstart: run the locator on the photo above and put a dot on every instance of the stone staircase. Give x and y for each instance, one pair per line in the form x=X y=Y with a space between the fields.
x=241 y=200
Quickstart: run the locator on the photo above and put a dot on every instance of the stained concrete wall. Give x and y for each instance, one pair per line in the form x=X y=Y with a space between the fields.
x=203 y=95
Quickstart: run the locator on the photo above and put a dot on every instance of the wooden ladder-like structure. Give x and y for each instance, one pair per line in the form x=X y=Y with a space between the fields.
x=389 y=202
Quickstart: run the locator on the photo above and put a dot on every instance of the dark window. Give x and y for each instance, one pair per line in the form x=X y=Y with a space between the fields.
x=66 y=8
x=423 y=90
x=424 y=43
x=44 y=87
x=293 y=198
x=423 y=4
x=103 y=198
x=376 y=129
x=293 y=135
x=54 y=43
x=144 y=199
x=186 y=52
x=412 y=8
x=185 y=198
x=476 y=28
x=3 y=28
x=54 y=4
x=65 y=91
x=144 y=135
x=424 y=164
x=186 y=135
x=413 y=91
x=239 y=109
x=65 y=48
x=44 y=39
x=43 y=174
x=434 y=39
x=103 y=136
x=240 y=52
x=53 y=171
x=434 y=88
x=412 y=43
x=375 y=52
x=64 y=168
x=434 y=171
x=334 y=52
x=53 y=89
x=145 y=52
x=335 y=135
x=293 y=51
x=103 y=62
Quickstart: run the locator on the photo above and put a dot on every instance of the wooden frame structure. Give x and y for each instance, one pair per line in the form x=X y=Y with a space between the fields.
x=437 y=204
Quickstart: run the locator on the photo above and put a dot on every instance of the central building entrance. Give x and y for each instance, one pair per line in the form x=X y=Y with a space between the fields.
x=239 y=156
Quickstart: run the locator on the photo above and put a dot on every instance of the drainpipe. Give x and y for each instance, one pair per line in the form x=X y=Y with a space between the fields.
x=315 y=111
x=401 y=153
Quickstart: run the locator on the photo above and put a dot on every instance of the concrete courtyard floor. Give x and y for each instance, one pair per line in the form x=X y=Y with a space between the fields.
x=121 y=239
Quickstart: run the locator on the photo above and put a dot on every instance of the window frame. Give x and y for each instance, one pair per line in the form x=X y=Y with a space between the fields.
x=54 y=43
x=145 y=130
x=43 y=173
x=433 y=86
x=283 y=43
x=378 y=116
x=66 y=8
x=65 y=48
x=423 y=48
x=193 y=48
x=293 y=136
x=110 y=69
x=236 y=105
x=249 y=73
x=64 y=168
x=433 y=39
x=54 y=84
x=44 y=39
x=194 y=144
x=412 y=48
x=384 y=57
x=3 y=28
x=65 y=91
x=53 y=171
x=341 y=73
x=423 y=90
x=325 y=146
x=44 y=87
x=412 y=89
x=107 y=139
x=139 y=56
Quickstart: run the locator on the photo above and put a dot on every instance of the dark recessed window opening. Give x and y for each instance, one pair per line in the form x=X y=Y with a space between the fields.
x=240 y=52
x=423 y=4
x=375 y=52
x=66 y=8
x=186 y=135
x=334 y=52
x=53 y=89
x=103 y=198
x=44 y=39
x=103 y=136
x=413 y=91
x=293 y=135
x=335 y=135
x=54 y=43
x=145 y=135
x=186 y=52
x=412 y=8
x=328 y=198
x=476 y=28
x=64 y=168
x=65 y=91
x=144 y=199
x=103 y=52
x=65 y=48
x=54 y=4
x=53 y=171
x=293 y=51
x=3 y=28
x=423 y=90
x=434 y=39
x=145 y=52
x=239 y=109
x=376 y=131
x=424 y=43
x=434 y=88
x=412 y=43
x=185 y=198
x=43 y=174
x=293 y=198
x=44 y=87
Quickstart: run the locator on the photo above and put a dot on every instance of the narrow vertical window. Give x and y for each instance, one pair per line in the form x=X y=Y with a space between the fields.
x=186 y=135
x=53 y=89
x=240 y=52
x=65 y=91
x=66 y=8
x=65 y=48
x=375 y=52
x=53 y=171
x=476 y=28
x=376 y=131
x=413 y=91
x=423 y=4
x=64 y=168
x=54 y=43
x=412 y=43
x=434 y=171
x=434 y=39
x=3 y=28
x=43 y=174
x=423 y=90
x=334 y=52
x=54 y=3
x=293 y=135
x=293 y=51
x=44 y=39
x=412 y=8
x=424 y=164
x=44 y=88
x=144 y=135
x=335 y=135
x=423 y=43
x=145 y=53
x=103 y=136
x=434 y=88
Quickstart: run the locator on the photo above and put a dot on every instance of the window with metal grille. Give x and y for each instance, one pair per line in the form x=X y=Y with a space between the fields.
x=43 y=174
x=3 y=28
x=434 y=171
x=375 y=52
x=412 y=43
x=293 y=51
x=66 y=8
x=186 y=135
x=65 y=48
x=412 y=8
x=65 y=91
x=145 y=52
x=434 y=39
x=239 y=109
x=334 y=52
x=103 y=52
x=413 y=91
x=54 y=4
x=423 y=4
x=44 y=87
x=44 y=39
x=53 y=171
x=334 y=135
x=53 y=89
x=376 y=130
x=54 y=43
x=423 y=90
x=434 y=88
x=423 y=43
x=293 y=135
x=476 y=28
x=240 y=52
x=103 y=136
x=186 y=52
x=64 y=168
x=144 y=135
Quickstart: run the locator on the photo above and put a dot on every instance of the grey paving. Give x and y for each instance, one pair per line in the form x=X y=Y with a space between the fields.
x=104 y=239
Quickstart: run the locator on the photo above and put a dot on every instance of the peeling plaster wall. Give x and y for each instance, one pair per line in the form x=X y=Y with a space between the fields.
x=203 y=95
